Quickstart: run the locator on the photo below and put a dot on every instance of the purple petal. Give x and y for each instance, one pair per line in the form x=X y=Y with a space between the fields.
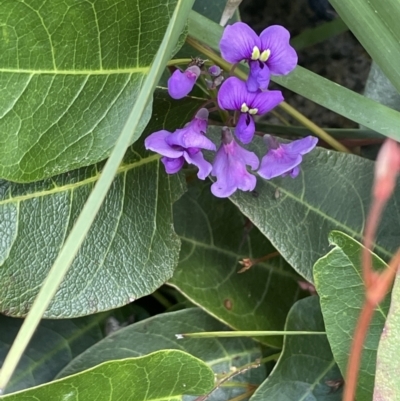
x=283 y=57
x=295 y=172
x=232 y=94
x=301 y=146
x=214 y=70
x=188 y=138
x=259 y=77
x=276 y=162
x=266 y=101
x=172 y=166
x=157 y=143
x=245 y=128
x=237 y=42
x=230 y=169
x=199 y=161
x=181 y=83
x=249 y=158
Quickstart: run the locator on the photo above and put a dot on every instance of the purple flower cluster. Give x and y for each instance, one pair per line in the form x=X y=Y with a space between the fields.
x=267 y=54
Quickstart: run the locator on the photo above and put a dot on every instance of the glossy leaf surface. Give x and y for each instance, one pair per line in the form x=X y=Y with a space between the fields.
x=69 y=74
x=338 y=280
x=306 y=369
x=297 y=215
x=161 y=376
x=159 y=332
x=215 y=237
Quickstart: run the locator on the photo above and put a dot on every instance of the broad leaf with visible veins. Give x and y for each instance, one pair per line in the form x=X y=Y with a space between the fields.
x=223 y=355
x=306 y=369
x=338 y=280
x=70 y=71
x=215 y=237
x=161 y=376
x=332 y=192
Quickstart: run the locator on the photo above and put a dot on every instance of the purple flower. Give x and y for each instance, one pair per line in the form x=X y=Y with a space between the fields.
x=214 y=70
x=269 y=53
x=181 y=83
x=283 y=159
x=230 y=167
x=183 y=144
x=233 y=95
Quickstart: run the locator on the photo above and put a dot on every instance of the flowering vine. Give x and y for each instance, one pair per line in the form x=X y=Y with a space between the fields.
x=267 y=54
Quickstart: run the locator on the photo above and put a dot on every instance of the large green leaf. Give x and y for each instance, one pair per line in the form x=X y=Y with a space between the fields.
x=114 y=265
x=215 y=237
x=332 y=192
x=387 y=385
x=338 y=280
x=306 y=369
x=130 y=250
x=70 y=71
x=375 y=23
x=343 y=101
x=223 y=355
x=161 y=376
x=54 y=345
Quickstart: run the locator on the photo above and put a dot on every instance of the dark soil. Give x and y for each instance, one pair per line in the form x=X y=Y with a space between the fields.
x=341 y=59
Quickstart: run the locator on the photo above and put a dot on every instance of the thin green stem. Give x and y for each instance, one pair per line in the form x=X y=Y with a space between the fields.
x=284 y=106
x=212 y=334
x=161 y=299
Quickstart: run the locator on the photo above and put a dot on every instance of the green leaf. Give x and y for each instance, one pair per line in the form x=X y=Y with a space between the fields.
x=332 y=192
x=338 y=280
x=387 y=386
x=215 y=237
x=365 y=18
x=130 y=250
x=318 y=34
x=161 y=376
x=334 y=97
x=54 y=345
x=69 y=74
x=159 y=332
x=306 y=369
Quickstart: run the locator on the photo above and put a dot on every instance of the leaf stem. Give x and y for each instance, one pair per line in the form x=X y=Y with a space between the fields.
x=284 y=106
x=212 y=334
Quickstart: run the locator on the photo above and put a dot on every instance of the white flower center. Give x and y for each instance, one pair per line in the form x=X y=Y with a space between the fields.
x=244 y=108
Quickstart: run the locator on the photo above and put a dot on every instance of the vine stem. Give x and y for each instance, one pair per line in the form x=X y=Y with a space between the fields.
x=302 y=119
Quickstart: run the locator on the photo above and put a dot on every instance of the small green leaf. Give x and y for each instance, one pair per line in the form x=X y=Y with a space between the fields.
x=215 y=237
x=54 y=345
x=338 y=280
x=70 y=71
x=332 y=192
x=130 y=250
x=387 y=385
x=306 y=369
x=161 y=376
x=159 y=332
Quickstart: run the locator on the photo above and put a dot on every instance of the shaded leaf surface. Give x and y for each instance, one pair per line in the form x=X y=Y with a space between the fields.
x=70 y=71
x=159 y=332
x=130 y=250
x=332 y=192
x=161 y=376
x=387 y=386
x=54 y=345
x=306 y=369
x=215 y=237
x=338 y=280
